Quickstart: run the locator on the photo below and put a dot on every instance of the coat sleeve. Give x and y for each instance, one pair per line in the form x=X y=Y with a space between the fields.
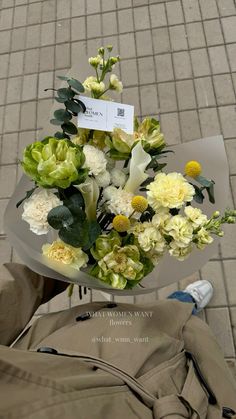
x=200 y=341
x=21 y=293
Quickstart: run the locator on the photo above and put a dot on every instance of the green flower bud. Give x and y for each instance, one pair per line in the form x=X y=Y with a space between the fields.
x=109 y=48
x=53 y=163
x=101 y=51
x=216 y=214
x=231 y=220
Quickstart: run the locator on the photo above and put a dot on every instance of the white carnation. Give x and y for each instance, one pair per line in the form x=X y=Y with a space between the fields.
x=115 y=83
x=180 y=229
x=151 y=239
x=118 y=177
x=120 y=203
x=103 y=179
x=36 y=210
x=95 y=160
x=180 y=253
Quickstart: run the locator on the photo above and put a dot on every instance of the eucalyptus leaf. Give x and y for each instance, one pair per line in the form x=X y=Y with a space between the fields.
x=198 y=197
x=62 y=115
x=82 y=105
x=75 y=235
x=65 y=93
x=76 y=84
x=94 y=230
x=60 y=217
x=61 y=135
x=73 y=106
x=75 y=203
x=56 y=122
x=60 y=100
x=203 y=181
x=211 y=195
x=69 y=127
x=63 y=78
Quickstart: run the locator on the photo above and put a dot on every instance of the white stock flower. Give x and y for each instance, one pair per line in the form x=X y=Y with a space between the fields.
x=36 y=210
x=91 y=84
x=109 y=192
x=180 y=229
x=120 y=203
x=180 y=253
x=196 y=216
x=169 y=191
x=151 y=239
x=203 y=238
x=95 y=160
x=95 y=61
x=115 y=83
x=160 y=219
x=118 y=177
x=103 y=179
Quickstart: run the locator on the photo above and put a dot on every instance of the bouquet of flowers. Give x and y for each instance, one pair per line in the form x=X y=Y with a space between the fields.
x=111 y=207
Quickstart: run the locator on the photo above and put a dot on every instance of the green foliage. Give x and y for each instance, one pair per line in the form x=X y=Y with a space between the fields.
x=60 y=217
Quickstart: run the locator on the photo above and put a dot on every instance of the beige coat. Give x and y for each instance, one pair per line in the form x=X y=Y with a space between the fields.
x=121 y=362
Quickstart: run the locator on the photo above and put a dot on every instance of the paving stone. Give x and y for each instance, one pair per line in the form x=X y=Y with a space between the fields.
x=228 y=242
x=146 y=70
x=127 y=45
x=109 y=23
x=234 y=80
x=123 y=3
x=228 y=121
x=213 y=32
x=161 y=42
x=46 y=60
x=191 y=10
x=3 y=87
x=186 y=94
x=6 y=18
x=34 y=13
x=14 y=90
x=226 y=7
x=164 y=68
x=189 y=125
x=178 y=38
x=131 y=96
x=12 y=118
x=47 y=33
x=2 y=109
x=25 y=138
x=212 y=272
x=141 y=18
x=158 y=15
x=16 y=63
x=125 y=20
x=167 y=97
x=182 y=65
x=20 y=16
x=224 y=89
x=5 y=252
x=49 y=10
x=195 y=35
x=229 y=28
x=18 y=39
x=149 y=101
x=230 y=274
x=93 y=6
x=3 y=205
x=112 y=40
x=4 y=65
x=231 y=48
x=63 y=31
x=63 y=9
x=218 y=59
x=200 y=62
x=209 y=9
x=46 y=80
x=94 y=26
x=91 y=45
x=29 y=90
x=31 y=62
x=170 y=128
x=5 y=40
x=78 y=8
x=28 y=115
x=33 y=36
x=9 y=149
x=43 y=111
x=129 y=72
x=144 y=43
x=233 y=186
x=7 y=180
x=231 y=153
x=204 y=92
x=219 y=322
x=78 y=28
x=108 y=5
x=174 y=13
x=209 y=122
x=7 y=4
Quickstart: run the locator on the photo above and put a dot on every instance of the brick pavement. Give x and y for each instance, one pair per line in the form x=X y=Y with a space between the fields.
x=178 y=63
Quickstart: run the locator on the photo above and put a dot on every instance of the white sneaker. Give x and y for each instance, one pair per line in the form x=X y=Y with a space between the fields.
x=201 y=291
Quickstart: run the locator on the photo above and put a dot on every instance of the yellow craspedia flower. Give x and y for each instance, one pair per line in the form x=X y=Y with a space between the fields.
x=139 y=203
x=121 y=223
x=193 y=168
